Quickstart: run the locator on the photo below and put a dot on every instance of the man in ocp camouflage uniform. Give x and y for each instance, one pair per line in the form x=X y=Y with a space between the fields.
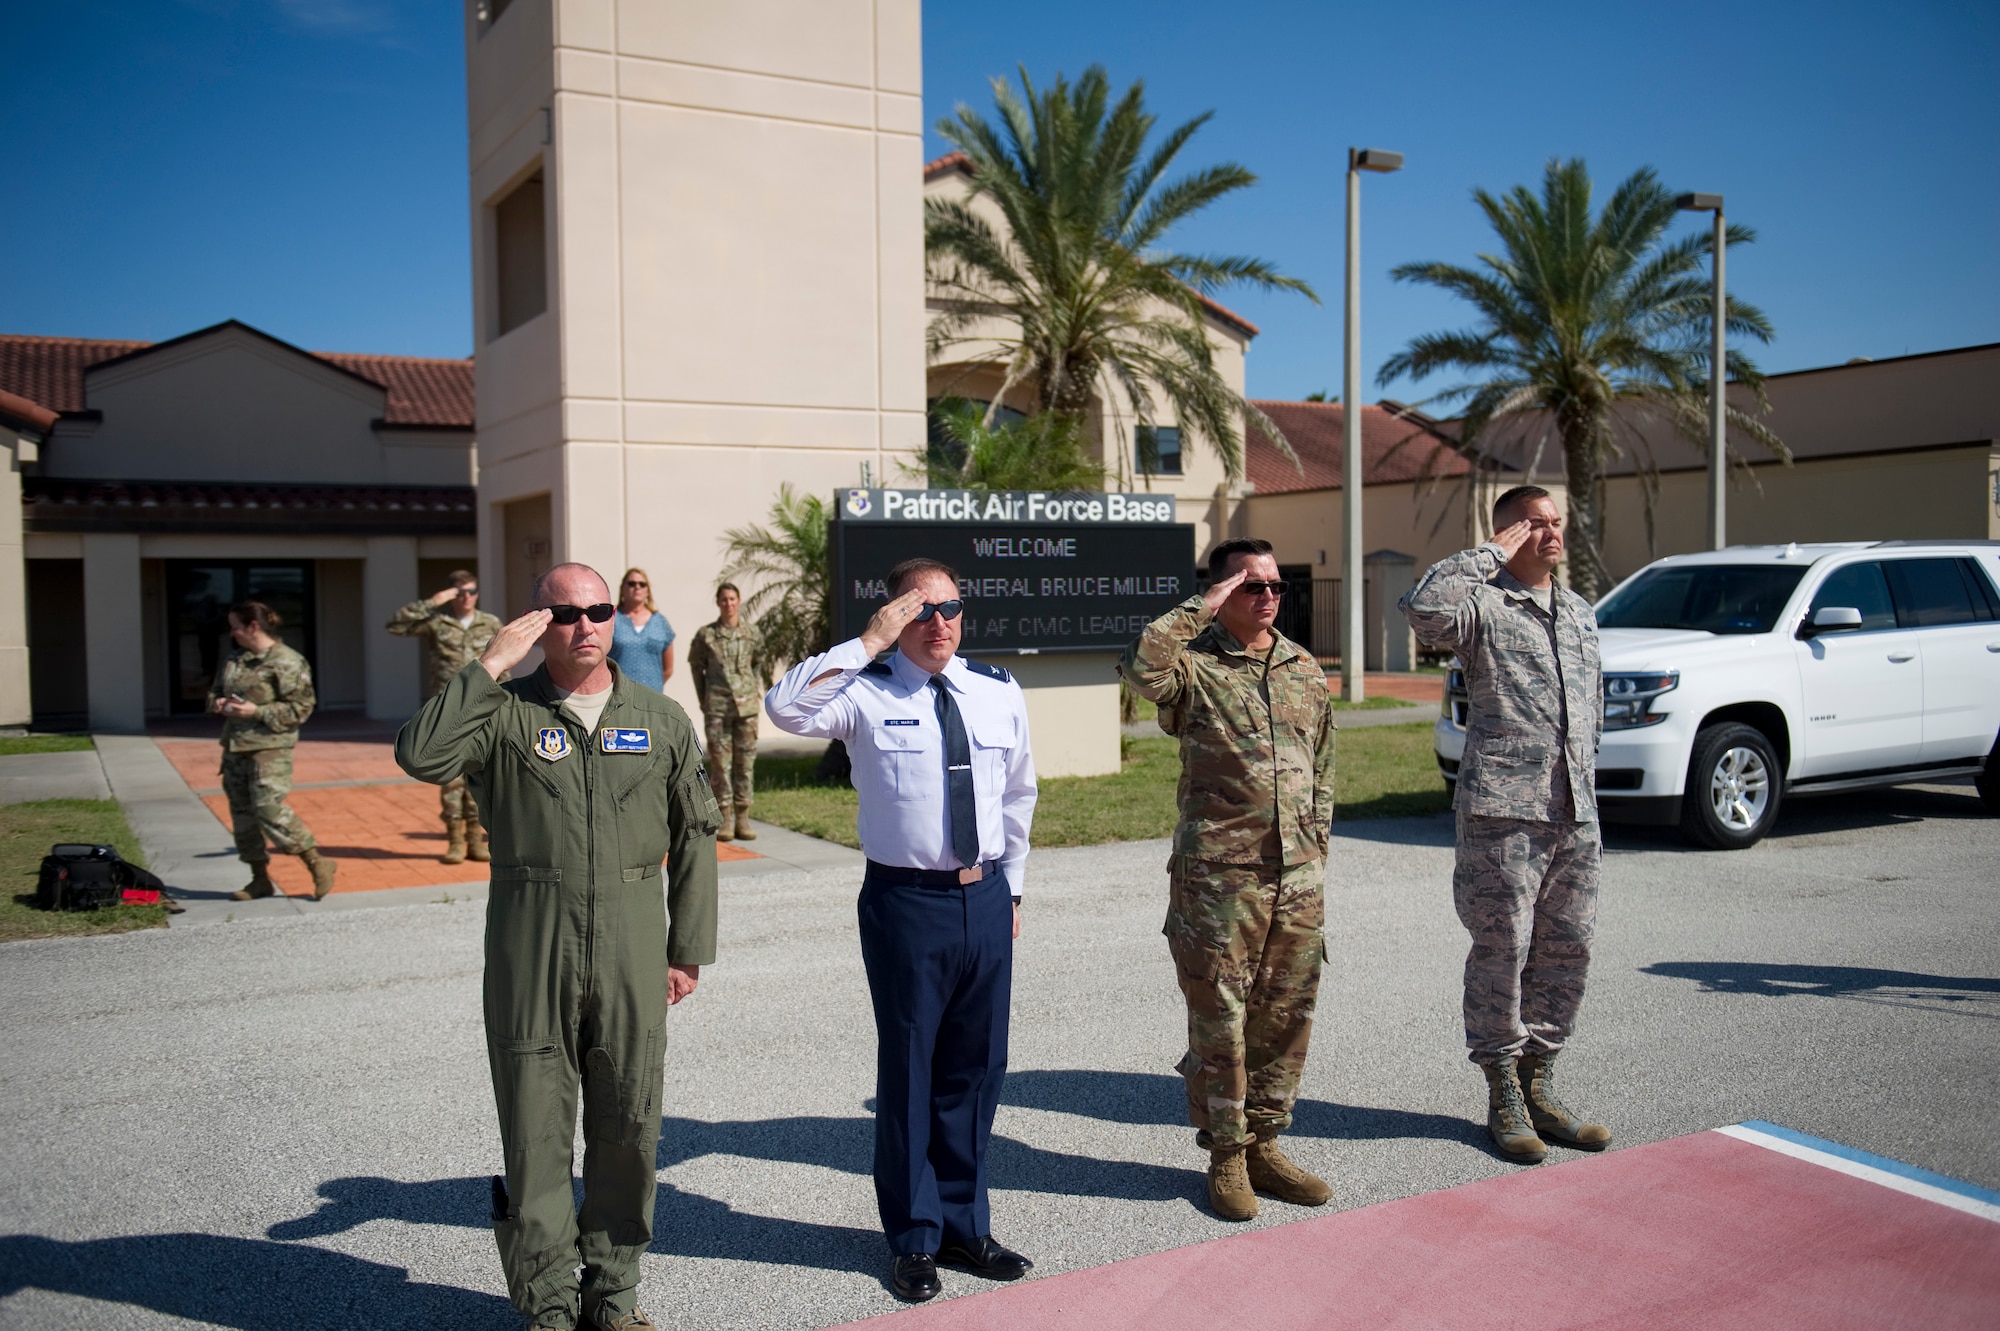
x=727 y=661
x=455 y=632
x=1528 y=843
x=1247 y=878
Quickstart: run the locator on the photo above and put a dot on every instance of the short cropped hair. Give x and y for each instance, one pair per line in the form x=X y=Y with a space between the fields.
x=461 y=577
x=542 y=583
x=1218 y=558
x=907 y=572
x=728 y=587
x=1520 y=494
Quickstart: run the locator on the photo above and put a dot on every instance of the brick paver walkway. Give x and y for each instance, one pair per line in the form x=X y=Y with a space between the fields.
x=381 y=827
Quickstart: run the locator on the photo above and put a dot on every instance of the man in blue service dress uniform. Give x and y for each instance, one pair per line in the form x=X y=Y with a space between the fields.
x=940 y=752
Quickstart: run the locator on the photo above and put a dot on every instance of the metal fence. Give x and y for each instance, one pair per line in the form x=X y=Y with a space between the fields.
x=1311 y=612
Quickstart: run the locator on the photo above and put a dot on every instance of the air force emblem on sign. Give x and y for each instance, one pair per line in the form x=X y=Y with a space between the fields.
x=858 y=503
x=615 y=740
x=551 y=743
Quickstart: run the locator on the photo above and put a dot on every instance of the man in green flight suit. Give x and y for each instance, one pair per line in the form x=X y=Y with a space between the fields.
x=1247 y=879
x=454 y=631
x=586 y=782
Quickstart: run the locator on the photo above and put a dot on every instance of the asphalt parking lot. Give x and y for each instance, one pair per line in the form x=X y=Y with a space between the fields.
x=286 y=1123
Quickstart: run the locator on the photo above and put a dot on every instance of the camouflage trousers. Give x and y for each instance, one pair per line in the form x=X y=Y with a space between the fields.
x=256 y=784
x=1527 y=892
x=455 y=802
x=1247 y=945
x=732 y=756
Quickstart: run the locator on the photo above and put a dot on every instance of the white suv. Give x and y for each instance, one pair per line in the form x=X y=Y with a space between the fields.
x=1738 y=678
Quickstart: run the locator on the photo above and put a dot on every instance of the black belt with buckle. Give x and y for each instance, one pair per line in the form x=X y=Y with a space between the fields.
x=900 y=876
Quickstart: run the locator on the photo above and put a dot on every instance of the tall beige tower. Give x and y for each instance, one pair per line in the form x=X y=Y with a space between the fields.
x=698 y=272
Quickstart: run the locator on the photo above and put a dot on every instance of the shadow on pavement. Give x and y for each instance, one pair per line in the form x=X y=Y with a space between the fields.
x=1819 y=815
x=1771 y=980
x=248 y=1284
x=1160 y=1099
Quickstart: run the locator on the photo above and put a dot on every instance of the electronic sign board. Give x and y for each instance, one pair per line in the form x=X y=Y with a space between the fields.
x=1037 y=572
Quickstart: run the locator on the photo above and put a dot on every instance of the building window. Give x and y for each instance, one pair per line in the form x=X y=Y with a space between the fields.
x=1158 y=450
x=520 y=257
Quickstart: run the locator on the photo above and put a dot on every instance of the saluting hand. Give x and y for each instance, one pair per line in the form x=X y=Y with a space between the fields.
x=888 y=623
x=1219 y=592
x=514 y=641
x=440 y=598
x=1512 y=537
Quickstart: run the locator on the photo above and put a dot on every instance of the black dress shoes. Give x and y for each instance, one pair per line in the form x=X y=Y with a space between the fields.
x=913 y=1277
x=984 y=1257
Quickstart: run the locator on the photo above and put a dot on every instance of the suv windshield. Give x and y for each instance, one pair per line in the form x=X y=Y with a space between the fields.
x=1713 y=598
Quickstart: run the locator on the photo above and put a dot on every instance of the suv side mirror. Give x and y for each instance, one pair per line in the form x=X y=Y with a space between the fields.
x=1831 y=619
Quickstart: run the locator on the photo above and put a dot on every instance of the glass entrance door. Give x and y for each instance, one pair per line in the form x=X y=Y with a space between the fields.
x=199 y=594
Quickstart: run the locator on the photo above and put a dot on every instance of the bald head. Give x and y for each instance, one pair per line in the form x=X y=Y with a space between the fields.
x=571 y=584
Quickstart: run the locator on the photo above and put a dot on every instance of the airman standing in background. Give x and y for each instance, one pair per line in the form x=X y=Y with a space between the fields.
x=455 y=632
x=727 y=660
x=1247 y=877
x=1529 y=846
x=264 y=692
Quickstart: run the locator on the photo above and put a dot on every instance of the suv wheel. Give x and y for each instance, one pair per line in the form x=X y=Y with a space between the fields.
x=1988 y=782
x=1734 y=785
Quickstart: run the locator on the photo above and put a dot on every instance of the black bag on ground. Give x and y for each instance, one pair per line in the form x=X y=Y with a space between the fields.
x=79 y=876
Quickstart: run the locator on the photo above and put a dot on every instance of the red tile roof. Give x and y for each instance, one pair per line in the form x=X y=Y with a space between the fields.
x=1398 y=443
x=49 y=371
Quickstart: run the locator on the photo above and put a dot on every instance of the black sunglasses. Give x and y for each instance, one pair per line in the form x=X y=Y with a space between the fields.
x=1258 y=588
x=569 y=614
x=942 y=609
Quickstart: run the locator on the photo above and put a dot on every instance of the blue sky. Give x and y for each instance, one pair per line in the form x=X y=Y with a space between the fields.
x=299 y=164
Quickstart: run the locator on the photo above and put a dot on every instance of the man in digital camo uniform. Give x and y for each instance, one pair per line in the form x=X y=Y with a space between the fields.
x=1247 y=887
x=455 y=631
x=1528 y=844
x=727 y=661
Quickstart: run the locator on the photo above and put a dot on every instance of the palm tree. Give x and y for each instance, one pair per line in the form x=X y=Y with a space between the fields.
x=1045 y=452
x=1091 y=309
x=1591 y=323
x=792 y=563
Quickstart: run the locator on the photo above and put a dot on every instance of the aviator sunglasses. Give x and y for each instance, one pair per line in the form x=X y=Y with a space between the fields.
x=1259 y=588
x=942 y=609
x=569 y=614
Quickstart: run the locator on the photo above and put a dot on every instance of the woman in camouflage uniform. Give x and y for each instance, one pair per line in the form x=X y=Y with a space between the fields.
x=264 y=692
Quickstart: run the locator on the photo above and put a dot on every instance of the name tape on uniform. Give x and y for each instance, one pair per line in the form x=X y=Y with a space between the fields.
x=626 y=741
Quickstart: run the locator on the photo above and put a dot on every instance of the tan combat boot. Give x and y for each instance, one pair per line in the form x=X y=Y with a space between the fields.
x=475 y=842
x=1273 y=1174
x=454 y=841
x=260 y=884
x=321 y=869
x=744 y=832
x=1507 y=1115
x=724 y=830
x=1551 y=1117
x=1229 y=1193
x=636 y=1320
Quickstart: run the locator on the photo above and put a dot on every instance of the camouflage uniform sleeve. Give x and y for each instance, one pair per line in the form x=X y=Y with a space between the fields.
x=216 y=691
x=292 y=681
x=1441 y=608
x=412 y=620
x=1323 y=756
x=697 y=658
x=691 y=881
x=1156 y=664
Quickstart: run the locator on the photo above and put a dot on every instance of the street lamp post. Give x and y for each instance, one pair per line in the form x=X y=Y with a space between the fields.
x=1718 y=378
x=1353 y=642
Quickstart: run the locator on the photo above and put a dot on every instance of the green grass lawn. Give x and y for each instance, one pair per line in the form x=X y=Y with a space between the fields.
x=1383 y=772
x=26 y=833
x=11 y=744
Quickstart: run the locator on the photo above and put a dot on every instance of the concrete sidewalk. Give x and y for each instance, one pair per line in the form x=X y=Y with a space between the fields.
x=76 y=775
x=286 y=1124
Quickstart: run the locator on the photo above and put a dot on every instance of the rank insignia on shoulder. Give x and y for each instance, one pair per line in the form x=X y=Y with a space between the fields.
x=990 y=671
x=614 y=740
x=551 y=743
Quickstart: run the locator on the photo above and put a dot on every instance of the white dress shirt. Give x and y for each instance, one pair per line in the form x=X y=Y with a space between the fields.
x=886 y=715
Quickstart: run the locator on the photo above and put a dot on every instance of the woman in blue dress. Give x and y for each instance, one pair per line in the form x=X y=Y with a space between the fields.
x=642 y=642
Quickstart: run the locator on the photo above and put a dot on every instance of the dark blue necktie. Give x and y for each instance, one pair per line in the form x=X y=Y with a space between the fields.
x=964 y=826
